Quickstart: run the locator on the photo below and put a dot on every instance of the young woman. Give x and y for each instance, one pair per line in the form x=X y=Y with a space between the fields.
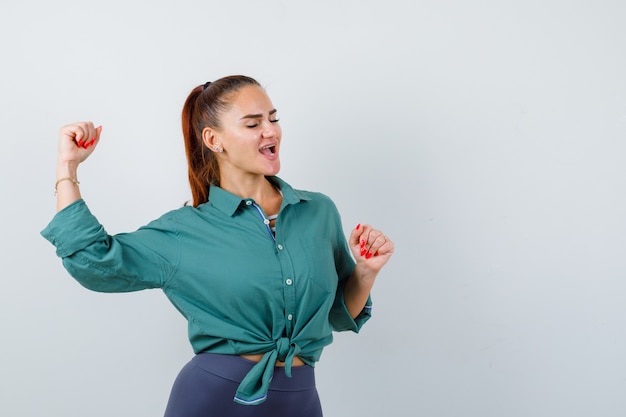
x=261 y=271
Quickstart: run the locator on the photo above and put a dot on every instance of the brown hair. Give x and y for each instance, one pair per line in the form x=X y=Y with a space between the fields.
x=203 y=108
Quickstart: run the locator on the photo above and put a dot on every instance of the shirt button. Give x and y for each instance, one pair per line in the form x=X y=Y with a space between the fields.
x=280 y=247
x=266 y=221
x=290 y=317
x=289 y=281
x=248 y=203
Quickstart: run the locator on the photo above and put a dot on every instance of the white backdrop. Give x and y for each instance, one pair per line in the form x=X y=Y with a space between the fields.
x=487 y=138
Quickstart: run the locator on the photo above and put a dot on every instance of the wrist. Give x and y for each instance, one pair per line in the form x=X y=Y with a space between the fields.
x=363 y=273
x=67 y=169
x=362 y=278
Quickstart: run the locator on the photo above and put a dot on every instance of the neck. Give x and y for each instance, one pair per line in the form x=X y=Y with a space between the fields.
x=258 y=188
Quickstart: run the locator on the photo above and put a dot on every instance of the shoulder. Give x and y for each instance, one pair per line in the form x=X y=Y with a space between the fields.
x=174 y=219
x=310 y=197
x=315 y=196
x=321 y=203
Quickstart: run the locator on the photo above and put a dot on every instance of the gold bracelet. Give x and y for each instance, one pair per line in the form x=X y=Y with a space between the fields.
x=56 y=184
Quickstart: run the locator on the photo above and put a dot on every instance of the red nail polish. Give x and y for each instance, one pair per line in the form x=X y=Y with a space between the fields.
x=363 y=251
x=358 y=226
x=362 y=244
x=92 y=141
x=376 y=254
x=369 y=255
x=80 y=143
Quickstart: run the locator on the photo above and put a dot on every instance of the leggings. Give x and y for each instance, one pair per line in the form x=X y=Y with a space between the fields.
x=205 y=387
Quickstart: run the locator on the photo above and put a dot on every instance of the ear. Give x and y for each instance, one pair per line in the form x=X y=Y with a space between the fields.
x=211 y=139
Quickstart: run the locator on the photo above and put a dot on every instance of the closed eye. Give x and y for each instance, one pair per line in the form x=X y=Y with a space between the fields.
x=253 y=118
x=253 y=125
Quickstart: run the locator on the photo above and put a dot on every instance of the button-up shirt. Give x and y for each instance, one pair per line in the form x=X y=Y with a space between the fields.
x=242 y=287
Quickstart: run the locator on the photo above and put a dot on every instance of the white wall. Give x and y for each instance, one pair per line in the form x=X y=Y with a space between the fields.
x=487 y=138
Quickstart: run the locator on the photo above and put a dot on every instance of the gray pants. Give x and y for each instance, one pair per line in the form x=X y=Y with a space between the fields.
x=206 y=386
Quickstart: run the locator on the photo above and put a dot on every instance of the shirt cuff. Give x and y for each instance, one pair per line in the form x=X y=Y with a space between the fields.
x=72 y=229
x=340 y=317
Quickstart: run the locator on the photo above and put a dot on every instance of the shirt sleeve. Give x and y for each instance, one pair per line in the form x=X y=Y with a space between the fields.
x=101 y=262
x=340 y=318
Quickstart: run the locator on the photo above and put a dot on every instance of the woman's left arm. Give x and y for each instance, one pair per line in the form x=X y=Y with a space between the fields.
x=371 y=250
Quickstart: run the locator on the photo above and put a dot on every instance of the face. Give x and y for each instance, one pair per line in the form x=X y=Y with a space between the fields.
x=249 y=136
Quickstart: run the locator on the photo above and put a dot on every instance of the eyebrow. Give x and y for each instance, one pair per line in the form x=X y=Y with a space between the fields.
x=258 y=115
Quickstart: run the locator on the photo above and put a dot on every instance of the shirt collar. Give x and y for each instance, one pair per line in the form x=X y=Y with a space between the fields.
x=229 y=203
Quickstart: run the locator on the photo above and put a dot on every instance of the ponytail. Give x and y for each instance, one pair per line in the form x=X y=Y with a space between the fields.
x=201 y=163
x=203 y=108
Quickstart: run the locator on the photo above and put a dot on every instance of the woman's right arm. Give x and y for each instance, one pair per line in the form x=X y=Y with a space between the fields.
x=76 y=142
x=99 y=261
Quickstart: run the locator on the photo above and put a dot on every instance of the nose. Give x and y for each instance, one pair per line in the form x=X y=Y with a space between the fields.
x=270 y=129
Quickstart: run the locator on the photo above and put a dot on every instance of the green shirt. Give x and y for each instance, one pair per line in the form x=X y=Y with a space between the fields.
x=242 y=288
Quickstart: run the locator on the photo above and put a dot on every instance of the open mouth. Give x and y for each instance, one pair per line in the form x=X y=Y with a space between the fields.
x=268 y=150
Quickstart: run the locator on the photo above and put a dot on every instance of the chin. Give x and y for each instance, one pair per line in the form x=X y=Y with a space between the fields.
x=273 y=170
